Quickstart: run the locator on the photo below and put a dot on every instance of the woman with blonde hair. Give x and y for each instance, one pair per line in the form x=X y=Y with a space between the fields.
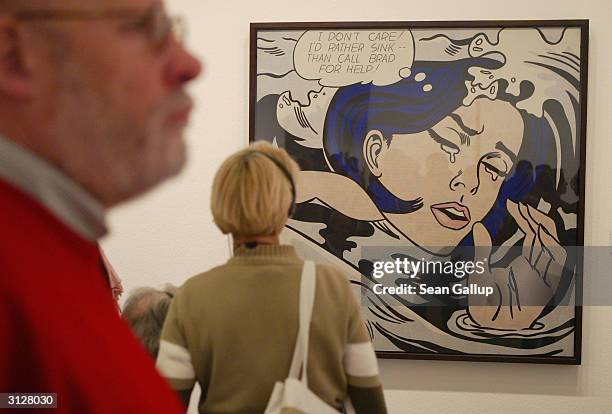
x=233 y=329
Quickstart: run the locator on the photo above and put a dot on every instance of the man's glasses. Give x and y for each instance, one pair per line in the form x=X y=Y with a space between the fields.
x=155 y=22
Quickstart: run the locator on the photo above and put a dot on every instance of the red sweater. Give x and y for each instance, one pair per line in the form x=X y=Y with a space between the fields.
x=59 y=330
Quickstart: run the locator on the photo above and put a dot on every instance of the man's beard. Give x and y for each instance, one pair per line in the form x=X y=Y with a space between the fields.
x=112 y=155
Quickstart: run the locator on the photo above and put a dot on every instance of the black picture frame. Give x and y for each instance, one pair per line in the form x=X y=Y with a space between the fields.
x=256 y=29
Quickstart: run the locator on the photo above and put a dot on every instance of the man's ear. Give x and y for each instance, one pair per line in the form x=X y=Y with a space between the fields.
x=374 y=148
x=15 y=79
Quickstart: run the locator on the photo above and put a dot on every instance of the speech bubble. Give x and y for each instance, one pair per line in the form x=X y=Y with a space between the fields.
x=345 y=57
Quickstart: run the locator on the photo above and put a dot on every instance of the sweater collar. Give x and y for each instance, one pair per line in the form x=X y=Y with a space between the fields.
x=265 y=253
x=64 y=197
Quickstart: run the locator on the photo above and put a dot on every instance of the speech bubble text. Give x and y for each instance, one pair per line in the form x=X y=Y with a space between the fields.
x=344 y=57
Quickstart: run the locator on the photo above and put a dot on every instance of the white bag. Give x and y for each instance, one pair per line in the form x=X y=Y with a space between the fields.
x=293 y=395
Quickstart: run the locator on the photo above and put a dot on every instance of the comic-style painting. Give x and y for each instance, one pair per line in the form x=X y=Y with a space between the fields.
x=437 y=144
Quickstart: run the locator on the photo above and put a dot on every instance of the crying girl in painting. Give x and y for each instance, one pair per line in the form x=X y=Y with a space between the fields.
x=462 y=159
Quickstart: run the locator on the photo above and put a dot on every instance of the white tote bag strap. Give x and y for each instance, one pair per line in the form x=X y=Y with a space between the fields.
x=307 y=294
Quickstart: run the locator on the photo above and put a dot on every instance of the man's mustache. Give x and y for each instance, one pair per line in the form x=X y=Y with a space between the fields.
x=177 y=101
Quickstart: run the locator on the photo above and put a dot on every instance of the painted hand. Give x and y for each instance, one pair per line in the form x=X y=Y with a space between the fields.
x=524 y=287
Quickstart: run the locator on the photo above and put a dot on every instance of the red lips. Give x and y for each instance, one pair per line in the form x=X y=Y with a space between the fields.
x=451 y=215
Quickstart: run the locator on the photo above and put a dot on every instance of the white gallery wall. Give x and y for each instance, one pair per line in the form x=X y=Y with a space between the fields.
x=168 y=235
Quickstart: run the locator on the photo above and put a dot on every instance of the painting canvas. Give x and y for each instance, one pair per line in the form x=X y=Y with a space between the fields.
x=442 y=170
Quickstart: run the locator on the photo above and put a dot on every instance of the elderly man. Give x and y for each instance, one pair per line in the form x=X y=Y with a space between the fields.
x=145 y=311
x=92 y=112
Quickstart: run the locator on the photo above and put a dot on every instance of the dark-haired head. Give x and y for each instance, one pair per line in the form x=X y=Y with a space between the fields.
x=433 y=92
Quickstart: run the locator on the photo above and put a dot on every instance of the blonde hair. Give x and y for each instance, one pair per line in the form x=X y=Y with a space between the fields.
x=251 y=195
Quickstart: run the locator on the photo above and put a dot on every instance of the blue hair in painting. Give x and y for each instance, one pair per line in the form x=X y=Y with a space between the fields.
x=406 y=107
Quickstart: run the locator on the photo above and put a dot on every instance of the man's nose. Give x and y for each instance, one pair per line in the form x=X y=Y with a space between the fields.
x=183 y=67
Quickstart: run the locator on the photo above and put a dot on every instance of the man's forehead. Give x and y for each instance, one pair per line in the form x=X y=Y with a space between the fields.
x=128 y=4
x=13 y=5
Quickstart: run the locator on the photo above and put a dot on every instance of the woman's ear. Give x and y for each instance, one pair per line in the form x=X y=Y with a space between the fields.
x=374 y=148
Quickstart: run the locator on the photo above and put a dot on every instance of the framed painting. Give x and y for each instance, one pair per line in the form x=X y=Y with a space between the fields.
x=442 y=169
